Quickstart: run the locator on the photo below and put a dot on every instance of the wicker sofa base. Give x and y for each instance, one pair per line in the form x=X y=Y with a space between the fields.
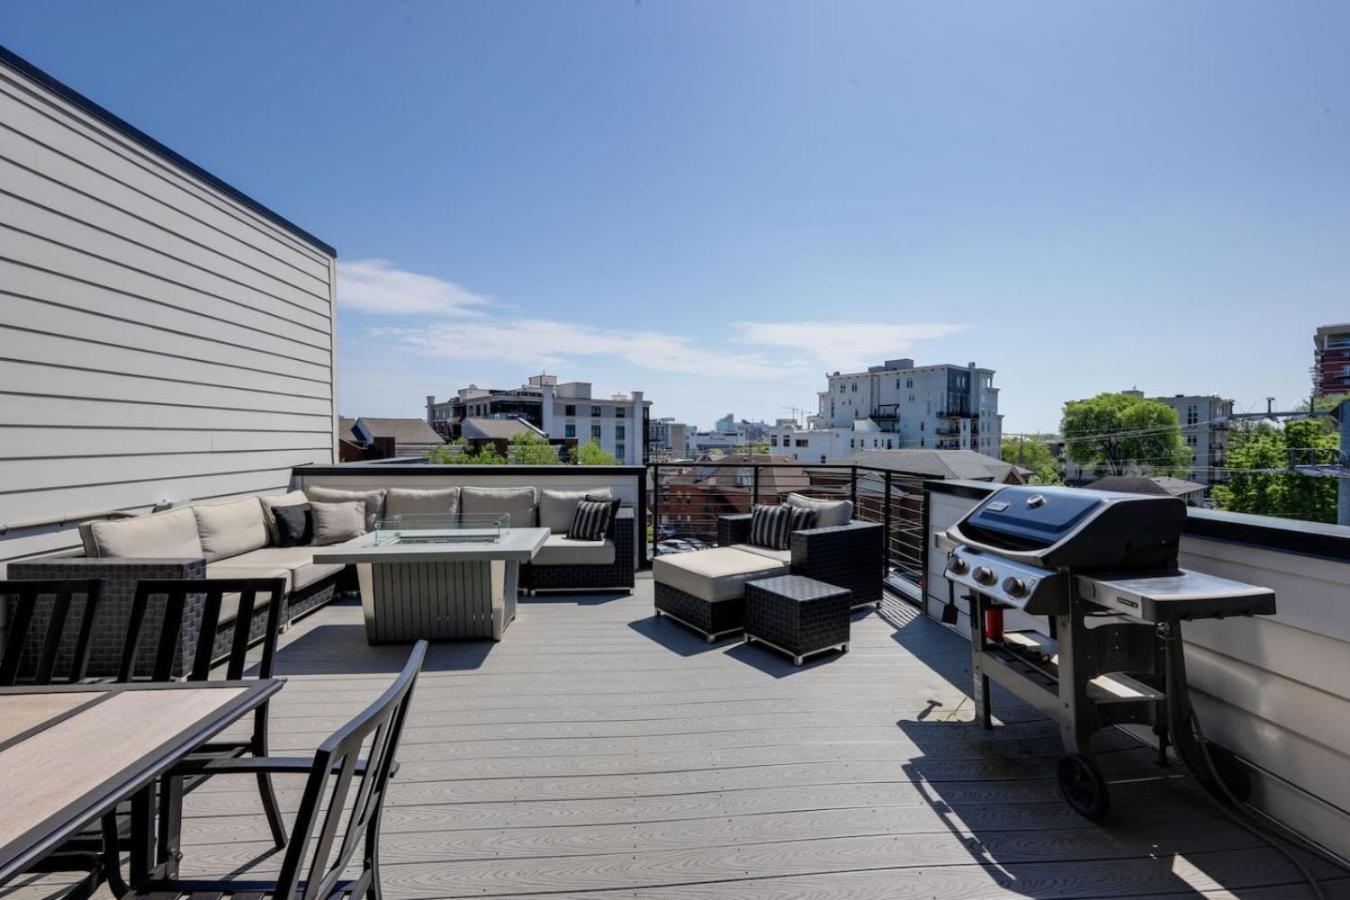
x=617 y=576
x=712 y=620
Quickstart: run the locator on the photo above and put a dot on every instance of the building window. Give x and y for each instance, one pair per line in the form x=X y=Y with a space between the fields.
x=569 y=430
x=618 y=432
x=595 y=412
x=855 y=387
x=595 y=432
x=1192 y=414
x=803 y=442
x=773 y=440
x=842 y=389
x=909 y=383
x=619 y=412
x=618 y=451
x=570 y=409
x=921 y=425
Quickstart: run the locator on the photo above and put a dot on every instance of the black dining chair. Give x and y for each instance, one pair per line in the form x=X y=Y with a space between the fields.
x=328 y=829
x=197 y=661
x=49 y=624
x=44 y=616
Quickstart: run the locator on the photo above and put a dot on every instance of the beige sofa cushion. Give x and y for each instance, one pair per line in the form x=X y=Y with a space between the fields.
x=290 y=498
x=558 y=508
x=518 y=503
x=228 y=569
x=421 y=502
x=337 y=522
x=166 y=535
x=782 y=556
x=560 y=550
x=228 y=529
x=298 y=563
x=373 y=499
x=716 y=574
x=829 y=513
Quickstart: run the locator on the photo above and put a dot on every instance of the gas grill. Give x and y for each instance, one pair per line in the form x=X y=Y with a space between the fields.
x=1102 y=569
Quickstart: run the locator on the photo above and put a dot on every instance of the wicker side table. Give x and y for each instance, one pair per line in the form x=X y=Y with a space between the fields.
x=798 y=616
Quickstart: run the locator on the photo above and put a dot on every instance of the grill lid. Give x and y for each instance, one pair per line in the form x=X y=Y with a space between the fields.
x=1034 y=517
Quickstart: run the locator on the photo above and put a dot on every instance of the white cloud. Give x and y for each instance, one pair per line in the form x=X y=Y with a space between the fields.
x=376 y=285
x=544 y=342
x=843 y=344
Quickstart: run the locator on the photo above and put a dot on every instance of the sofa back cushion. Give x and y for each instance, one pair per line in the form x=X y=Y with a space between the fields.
x=518 y=503
x=229 y=529
x=829 y=513
x=167 y=535
x=337 y=522
x=373 y=499
x=421 y=502
x=557 y=508
x=270 y=502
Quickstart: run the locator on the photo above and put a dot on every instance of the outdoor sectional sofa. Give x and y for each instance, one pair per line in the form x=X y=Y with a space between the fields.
x=705 y=589
x=238 y=539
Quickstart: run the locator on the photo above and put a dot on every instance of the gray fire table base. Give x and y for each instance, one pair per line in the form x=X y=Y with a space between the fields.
x=437 y=600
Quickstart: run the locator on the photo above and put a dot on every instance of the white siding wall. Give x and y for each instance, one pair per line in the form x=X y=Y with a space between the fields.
x=159 y=339
x=1274 y=689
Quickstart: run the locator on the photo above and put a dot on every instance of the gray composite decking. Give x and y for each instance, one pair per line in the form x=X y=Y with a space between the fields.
x=599 y=752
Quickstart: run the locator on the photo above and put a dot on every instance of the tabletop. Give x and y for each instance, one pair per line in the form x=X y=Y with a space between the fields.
x=513 y=544
x=69 y=753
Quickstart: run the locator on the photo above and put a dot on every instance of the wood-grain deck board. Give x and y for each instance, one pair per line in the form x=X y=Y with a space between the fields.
x=598 y=752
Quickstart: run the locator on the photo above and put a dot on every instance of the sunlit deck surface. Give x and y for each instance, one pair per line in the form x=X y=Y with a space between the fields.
x=599 y=752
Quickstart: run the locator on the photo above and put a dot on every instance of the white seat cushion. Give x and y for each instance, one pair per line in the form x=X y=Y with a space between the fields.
x=226 y=570
x=296 y=562
x=166 y=535
x=560 y=550
x=228 y=529
x=716 y=574
x=782 y=556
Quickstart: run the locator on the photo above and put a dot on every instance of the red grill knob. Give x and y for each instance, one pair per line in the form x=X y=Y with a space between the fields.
x=984 y=575
x=1014 y=587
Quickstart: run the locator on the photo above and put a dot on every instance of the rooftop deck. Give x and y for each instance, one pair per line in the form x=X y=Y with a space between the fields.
x=599 y=752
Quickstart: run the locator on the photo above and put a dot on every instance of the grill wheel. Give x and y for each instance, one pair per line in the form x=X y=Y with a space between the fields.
x=1082 y=786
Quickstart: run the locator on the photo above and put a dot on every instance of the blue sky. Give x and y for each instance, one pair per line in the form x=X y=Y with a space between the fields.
x=717 y=202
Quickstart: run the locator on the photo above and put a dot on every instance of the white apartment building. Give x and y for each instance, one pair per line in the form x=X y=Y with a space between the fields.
x=668 y=439
x=1204 y=428
x=898 y=405
x=618 y=423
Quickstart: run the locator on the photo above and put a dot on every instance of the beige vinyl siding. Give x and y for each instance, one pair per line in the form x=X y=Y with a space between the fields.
x=160 y=340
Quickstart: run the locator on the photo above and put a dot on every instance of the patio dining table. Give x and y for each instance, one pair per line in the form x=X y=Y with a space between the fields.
x=70 y=753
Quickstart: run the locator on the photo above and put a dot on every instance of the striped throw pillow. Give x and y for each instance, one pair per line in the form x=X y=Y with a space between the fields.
x=801 y=520
x=769 y=526
x=590 y=522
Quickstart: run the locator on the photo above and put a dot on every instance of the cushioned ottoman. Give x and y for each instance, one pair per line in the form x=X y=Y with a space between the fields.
x=705 y=590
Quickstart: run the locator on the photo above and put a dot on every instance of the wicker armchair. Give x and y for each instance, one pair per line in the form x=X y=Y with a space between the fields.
x=848 y=556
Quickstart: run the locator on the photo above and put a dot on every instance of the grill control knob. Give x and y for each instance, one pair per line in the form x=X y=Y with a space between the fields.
x=1014 y=587
x=984 y=575
x=957 y=566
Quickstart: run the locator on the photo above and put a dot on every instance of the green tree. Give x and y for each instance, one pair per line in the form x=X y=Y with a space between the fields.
x=530 y=449
x=457 y=453
x=591 y=454
x=1261 y=477
x=1120 y=433
x=1034 y=455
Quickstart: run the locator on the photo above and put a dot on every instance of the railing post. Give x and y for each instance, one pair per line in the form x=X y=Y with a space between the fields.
x=853 y=488
x=886 y=520
x=656 y=504
x=755 y=485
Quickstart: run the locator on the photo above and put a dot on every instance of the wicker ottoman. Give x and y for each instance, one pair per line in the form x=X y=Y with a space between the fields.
x=798 y=616
x=705 y=590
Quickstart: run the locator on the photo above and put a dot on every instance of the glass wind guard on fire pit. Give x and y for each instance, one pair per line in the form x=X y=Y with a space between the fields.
x=440 y=528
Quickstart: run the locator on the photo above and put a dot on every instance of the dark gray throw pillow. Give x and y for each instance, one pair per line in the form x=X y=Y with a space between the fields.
x=614 y=504
x=295 y=525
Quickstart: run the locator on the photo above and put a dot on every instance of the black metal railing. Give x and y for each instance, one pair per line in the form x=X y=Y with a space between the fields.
x=686 y=498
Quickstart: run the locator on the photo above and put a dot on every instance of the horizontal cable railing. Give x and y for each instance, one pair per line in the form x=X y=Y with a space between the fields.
x=686 y=499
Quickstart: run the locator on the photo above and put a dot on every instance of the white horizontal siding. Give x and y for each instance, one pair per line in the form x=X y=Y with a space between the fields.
x=159 y=339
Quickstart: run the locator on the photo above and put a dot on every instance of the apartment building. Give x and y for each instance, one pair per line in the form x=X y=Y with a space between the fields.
x=618 y=423
x=1331 y=360
x=898 y=405
x=1204 y=428
x=668 y=439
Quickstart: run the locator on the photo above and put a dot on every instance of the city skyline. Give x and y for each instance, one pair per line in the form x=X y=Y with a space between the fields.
x=718 y=205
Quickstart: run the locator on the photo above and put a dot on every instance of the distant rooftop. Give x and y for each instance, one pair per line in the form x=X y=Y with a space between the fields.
x=962 y=464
